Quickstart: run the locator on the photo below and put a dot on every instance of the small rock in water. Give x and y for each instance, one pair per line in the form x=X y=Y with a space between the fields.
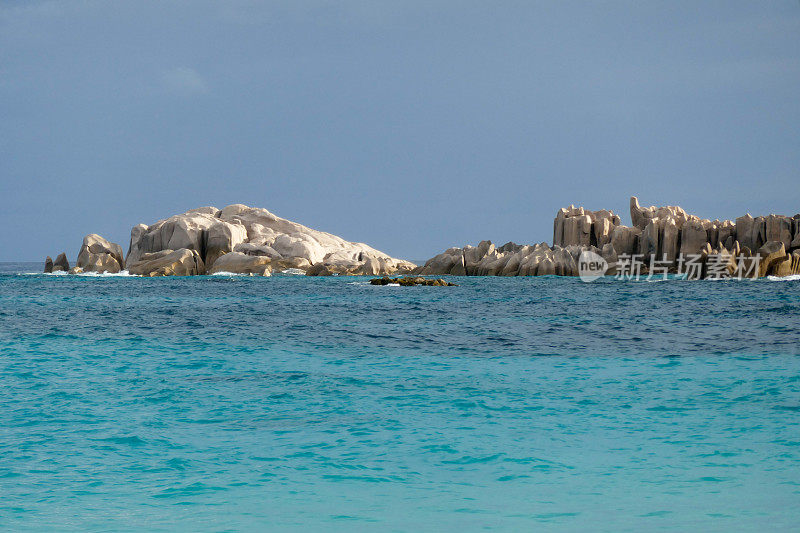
x=410 y=281
x=61 y=263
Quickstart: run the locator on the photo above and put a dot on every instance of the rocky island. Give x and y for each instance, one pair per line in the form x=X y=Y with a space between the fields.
x=237 y=239
x=249 y=240
x=662 y=234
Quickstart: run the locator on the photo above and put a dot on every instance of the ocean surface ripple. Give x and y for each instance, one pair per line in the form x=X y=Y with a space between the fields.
x=294 y=403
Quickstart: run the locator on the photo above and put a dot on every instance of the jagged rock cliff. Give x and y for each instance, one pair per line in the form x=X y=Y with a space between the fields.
x=238 y=239
x=658 y=233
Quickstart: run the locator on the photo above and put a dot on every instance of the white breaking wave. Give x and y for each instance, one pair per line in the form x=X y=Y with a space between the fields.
x=368 y=283
x=794 y=277
x=294 y=271
x=121 y=274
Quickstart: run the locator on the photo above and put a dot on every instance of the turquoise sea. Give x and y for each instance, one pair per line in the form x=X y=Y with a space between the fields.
x=328 y=404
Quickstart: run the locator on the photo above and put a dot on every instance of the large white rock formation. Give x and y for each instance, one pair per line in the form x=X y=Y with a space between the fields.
x=250 y=231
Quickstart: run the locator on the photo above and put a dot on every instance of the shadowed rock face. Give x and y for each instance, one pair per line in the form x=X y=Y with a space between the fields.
x=199 y=230
x=61 y=263
x=659 y=233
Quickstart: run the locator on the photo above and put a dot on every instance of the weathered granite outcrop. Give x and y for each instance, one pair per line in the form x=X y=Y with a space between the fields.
x=259 y=234
x=788 y=266
x=61 y=264
x=660 y=235
x=509 y=260
x=642 y=216
x=239 y=263
x=200 y=230
x=246 y=240
x=99 y=255
x=282 y=240
x=695 y=233
x=182 y=262
x=772 y=253
x=576 y=225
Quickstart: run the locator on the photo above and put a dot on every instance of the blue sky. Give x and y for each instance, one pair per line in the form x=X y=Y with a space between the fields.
x=412 y=126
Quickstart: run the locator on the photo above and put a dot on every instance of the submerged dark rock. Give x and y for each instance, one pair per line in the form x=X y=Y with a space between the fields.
x=409 y=281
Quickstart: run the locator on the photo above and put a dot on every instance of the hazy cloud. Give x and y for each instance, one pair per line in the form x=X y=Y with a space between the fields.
x=184 y=80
